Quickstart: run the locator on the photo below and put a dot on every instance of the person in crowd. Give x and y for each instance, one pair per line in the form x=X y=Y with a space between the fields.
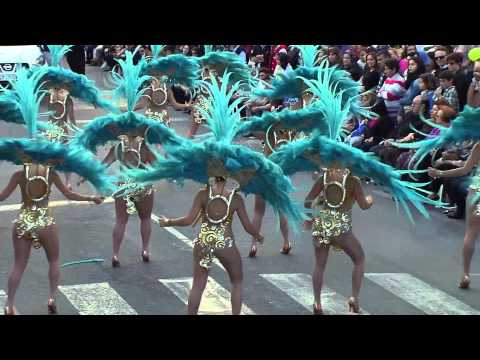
x=283 y=64
x=447 y=90
x=350 y=64
x=371 y=72
x=427 y=85
x=473 y=94
x=393 y=88
x=460 y=79
x=334 y=57
x=440 y=63
x=415 y=69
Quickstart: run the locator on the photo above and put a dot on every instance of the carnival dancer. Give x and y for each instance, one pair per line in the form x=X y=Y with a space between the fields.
x=131 y=137
x=217 y=162
x=333 y=195
x=41 y=159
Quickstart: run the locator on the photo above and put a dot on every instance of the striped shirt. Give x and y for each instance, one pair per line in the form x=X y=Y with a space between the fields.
x=392 y=91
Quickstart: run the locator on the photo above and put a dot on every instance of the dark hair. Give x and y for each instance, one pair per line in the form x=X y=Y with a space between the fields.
x=283 y=60
x=412 y=76
x=264 y=70
x=446 y=75
x=457 y=58
x=429 y=80
x=380 y=108
x=335 y=51
x=220 y=179
x=448 y=113
x=393 y=64
x=441 y=48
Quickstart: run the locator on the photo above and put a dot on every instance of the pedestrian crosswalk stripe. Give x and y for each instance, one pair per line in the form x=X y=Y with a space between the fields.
x=299 y=288
x=53 y=204
x=96 y=299
x=3 y=298
x=418 y=293
x=215 y=300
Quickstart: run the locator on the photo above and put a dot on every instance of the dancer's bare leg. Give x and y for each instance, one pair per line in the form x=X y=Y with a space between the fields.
x=49 y=239
x=22 y=249
x=200 y=277
x=232 y=262
x=350 y=244
x=471 y=235
x=284 y=231
x=120 y=224
x=321 y=257
x=259 y=213
x=144 y=209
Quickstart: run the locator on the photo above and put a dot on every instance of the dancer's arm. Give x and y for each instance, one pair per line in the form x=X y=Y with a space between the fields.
x=312 y=195
x=365 y=202
x=175 y=104
x=70 y=195
x=462 y=171
x=71 y=112
x=242 y=214
x=190 y=218
x=12 y=184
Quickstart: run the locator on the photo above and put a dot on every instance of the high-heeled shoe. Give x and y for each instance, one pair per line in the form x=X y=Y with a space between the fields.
x=465 y=282
x=353 y=306
x=317 y=310
x=9 y=310
x=145 y=256
x=115 y=261
x=286 y=250
x=52 y=307
x=253 y=251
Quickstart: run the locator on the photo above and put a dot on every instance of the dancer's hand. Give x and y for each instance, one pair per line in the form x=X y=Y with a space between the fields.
x=260 y=238
x=98 y=200
x=369 y=199
x=433 y=173
x=80 y=181
x=162 y=221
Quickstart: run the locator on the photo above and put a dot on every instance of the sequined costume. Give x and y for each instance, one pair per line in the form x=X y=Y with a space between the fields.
x=130 y=191
x=212 y=232
x=201 y=102
x=161 y=93
x=330 y=222
x=33 y=218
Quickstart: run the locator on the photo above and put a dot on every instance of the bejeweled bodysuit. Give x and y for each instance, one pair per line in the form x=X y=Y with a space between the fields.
x=331 y=222
x=130 y=191
x=212 y=232
x=33 y=217
x=157 y=102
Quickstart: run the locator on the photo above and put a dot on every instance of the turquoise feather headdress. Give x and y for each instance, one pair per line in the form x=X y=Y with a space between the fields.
x=174 y=69
x=130 y=84
x=208 y=49
x=309 y=54
x=156 y=50
x=26 y=94
x=57 y=53
x=217 y=156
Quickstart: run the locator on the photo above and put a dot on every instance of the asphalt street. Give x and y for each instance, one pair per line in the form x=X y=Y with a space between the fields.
x=410 y=269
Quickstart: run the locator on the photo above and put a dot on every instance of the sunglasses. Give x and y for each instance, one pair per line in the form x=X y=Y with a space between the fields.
x=439 y=57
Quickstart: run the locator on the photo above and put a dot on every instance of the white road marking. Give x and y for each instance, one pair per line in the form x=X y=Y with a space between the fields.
x=299 y=288
x=3 y=298
x=182 y=238
x=215 y=299
x=53 y=204
x=416 y=292
x=97 y=299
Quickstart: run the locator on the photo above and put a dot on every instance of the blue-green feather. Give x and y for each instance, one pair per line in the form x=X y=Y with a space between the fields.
x=57 y=52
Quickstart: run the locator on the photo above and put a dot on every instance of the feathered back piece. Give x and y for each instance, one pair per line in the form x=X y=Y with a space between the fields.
x=217 y=156
x=309 y=54
x=466 y=126
x=306 y=119
x=57 y=53
x=321 y=151
x=65 y=158
x=107 y=128
x=78 y=85
x=26 y=95
x=226 y=61
x=174 y=69
x=156 y=50
x=130 y=84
